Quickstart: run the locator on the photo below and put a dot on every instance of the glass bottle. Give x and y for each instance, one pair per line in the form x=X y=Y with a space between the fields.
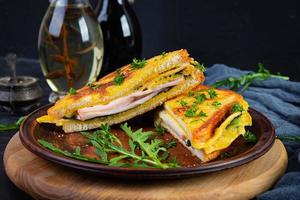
x=121 y=33
x=70 y=46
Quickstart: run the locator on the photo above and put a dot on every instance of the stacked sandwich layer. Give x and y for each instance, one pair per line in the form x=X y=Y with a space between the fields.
x=130 y=91
x=205 y=120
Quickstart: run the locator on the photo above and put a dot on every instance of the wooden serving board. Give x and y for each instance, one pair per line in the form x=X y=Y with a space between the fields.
x=45 y=180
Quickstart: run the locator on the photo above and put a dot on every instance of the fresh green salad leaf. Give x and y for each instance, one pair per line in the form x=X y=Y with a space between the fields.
x=153 y=151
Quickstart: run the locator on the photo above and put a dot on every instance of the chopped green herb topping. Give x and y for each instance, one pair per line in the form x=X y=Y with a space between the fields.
x=250 y=137
x=192 y=112
x=212 y=93
x=202 y=114
x=200 y=98
x=216 y=104
x=119 y=78
x=93 y=86
x=159 y=129
x=237 y=108
x=72 y=91
x=137 y=63
x=183 y=103
x=199 y=66
x=190 y=94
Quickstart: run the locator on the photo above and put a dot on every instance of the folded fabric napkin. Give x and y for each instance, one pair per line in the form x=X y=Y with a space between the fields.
x=279 y=100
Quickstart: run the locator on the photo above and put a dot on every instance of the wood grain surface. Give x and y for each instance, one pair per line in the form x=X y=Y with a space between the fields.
x=46 y=180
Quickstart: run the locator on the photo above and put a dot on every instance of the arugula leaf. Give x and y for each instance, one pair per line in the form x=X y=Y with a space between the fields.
x=171 y=144
x=13 y=126
x=105 y=142
x=151 y=149
x=244 y=81
x=159 y=129
x=290 y=138
x=75 y=155
x=137 y=63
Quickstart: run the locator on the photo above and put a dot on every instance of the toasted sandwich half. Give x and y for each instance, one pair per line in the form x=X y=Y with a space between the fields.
x=205 y=120
x=130 y=91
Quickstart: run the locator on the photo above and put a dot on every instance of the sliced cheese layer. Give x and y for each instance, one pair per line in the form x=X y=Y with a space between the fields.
x=224 y=135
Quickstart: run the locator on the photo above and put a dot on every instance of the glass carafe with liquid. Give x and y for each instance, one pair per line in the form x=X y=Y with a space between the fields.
x=70 y=46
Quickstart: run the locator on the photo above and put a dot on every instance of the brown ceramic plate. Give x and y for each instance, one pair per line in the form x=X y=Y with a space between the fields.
x=240 y=151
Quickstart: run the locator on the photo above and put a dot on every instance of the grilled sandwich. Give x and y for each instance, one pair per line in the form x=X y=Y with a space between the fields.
x=130 y=91
x=205 y=120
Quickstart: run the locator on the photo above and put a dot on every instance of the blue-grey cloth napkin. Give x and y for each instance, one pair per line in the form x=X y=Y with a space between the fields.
x=279 y=100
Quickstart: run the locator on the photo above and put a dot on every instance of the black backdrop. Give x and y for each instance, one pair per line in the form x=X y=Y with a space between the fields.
x=234 y=32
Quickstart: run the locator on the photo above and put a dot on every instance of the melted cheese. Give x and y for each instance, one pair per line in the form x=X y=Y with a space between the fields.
x=211 y=133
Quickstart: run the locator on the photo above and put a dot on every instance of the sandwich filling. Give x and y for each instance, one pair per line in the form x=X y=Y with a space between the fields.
x=124 y=103
x=207 y=121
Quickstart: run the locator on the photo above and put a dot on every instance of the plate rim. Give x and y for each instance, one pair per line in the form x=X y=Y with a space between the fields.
x=137 y=173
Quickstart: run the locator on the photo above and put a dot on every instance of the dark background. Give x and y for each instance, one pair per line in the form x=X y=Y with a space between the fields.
x=234 y=32
x=238 y=33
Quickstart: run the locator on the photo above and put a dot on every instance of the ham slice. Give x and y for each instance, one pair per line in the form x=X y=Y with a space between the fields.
x=123 y=103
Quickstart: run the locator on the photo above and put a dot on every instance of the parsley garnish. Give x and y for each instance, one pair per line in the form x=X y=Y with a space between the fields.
x=212 y=93
x=190 y=94
x=250 y=137
x=192 y=112
x=199 y=66
x=137 y=63
x=202 y=114
x=183 y=103
x=119 y=78
x=163 y=54
x=246 y=80
x=200 y=98
x=93 y=86
x=237 y=108
x=216 y=104
x=72 y=91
